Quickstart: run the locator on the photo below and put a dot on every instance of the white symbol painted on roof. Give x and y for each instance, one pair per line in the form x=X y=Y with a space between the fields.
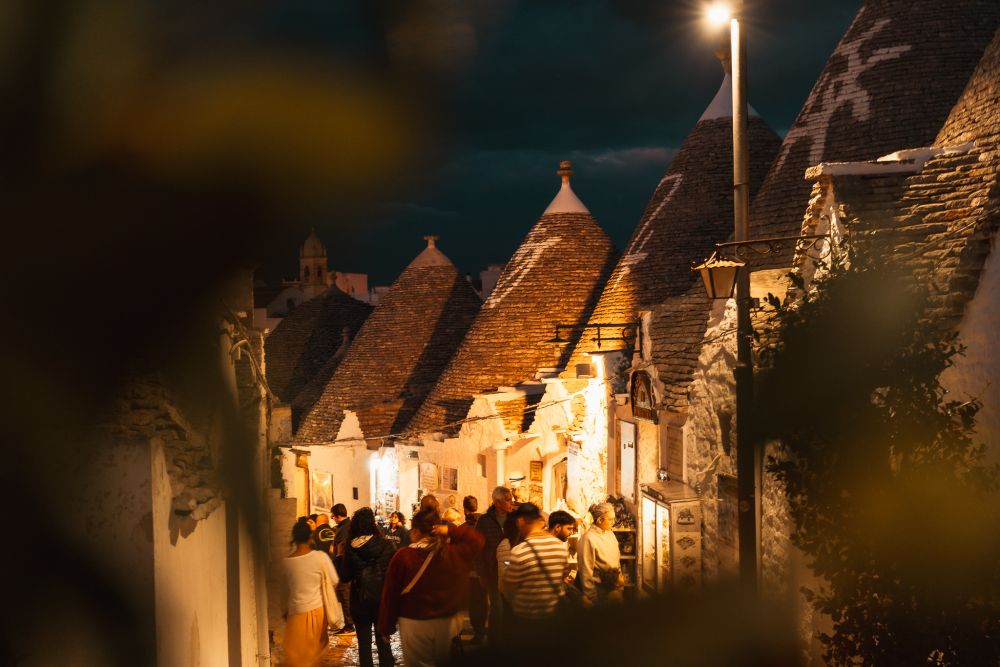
x=636 y=252
x=836 y=90
x=521 y=264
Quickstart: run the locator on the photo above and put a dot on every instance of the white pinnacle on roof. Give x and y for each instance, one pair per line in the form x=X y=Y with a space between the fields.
x=431 y=256
x=566 y=200
x=722 y=104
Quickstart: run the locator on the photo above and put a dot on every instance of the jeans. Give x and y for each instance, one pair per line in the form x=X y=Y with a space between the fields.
x=364 y=626
x=477 y=606
x=493 y=632
x=343 y=590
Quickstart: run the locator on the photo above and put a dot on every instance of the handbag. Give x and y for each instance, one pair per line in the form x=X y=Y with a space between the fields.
x=331 y=605
x=608 y=578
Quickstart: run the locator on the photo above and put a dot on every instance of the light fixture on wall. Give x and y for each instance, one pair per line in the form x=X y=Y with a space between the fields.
x=719 y=275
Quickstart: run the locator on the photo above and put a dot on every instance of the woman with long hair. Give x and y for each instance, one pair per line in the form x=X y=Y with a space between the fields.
x=367 y=558
x=306 y=624
x=425 y=588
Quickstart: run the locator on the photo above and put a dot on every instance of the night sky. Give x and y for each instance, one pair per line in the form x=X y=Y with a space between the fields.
x=514 y=87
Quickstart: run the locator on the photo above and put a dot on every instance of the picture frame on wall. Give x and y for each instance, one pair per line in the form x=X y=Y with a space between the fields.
x=320 y=491
x=449 y=479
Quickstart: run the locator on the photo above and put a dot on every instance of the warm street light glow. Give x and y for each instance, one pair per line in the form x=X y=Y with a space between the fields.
x=719 y=14
x=719 y=276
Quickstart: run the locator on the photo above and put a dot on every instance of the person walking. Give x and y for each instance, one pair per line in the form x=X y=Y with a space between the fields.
x=599 y=558
x=339 y=514
x=425 y=586
x=306 y=623
x=477 y=593
x=397 y=532
x=367 y=559
x=533 y=579
x=490 y=526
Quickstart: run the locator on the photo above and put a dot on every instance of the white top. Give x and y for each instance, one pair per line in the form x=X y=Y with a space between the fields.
x=304 y=580
x=598 y=548
x=722 y=104
x=566 y=201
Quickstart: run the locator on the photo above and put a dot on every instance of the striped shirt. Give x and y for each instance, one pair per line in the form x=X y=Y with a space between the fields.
x=535 y=595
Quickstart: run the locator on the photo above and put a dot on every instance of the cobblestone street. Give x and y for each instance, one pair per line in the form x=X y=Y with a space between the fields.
x=343 y=651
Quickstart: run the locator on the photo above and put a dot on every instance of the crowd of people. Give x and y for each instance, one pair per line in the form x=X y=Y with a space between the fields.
x=510 y=568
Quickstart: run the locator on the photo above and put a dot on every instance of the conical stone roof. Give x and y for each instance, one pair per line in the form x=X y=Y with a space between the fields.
x=976 y=116
x=690 y=211
x=399 y=352
x=890 y=83
x=307 y=339
x=938 y=218
x=553 y=278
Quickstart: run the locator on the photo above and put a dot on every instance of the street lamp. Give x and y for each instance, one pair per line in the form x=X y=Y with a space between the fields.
x=719 y=14
x=719 y=274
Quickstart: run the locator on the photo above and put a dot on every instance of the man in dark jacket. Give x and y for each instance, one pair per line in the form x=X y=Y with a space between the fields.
x=339 y=514
x=490 y=525
x=477 y=594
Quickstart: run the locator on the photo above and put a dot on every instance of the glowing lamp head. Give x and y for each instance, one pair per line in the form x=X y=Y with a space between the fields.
x=718 y=14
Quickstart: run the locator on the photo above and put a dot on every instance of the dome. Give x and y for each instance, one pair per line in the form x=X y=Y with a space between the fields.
x=312 y=246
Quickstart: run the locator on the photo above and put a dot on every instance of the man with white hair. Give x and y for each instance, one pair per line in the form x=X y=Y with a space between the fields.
x=491 y=525
x=599 y=557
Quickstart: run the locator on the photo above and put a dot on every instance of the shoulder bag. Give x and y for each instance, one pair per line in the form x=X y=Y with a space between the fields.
x=331 y=605
x=568 y=601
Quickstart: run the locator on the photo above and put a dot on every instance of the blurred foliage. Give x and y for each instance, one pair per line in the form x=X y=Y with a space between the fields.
x=152 y=150
x=891 y=498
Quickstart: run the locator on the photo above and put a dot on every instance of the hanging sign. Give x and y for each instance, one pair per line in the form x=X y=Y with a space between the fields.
x=643 y=400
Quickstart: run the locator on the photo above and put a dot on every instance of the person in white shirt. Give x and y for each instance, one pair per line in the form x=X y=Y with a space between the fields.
x=599 y=558
x=306 y=623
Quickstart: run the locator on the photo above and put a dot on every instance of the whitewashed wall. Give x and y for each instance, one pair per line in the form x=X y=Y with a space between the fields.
x=976 y=375
x=191 y=579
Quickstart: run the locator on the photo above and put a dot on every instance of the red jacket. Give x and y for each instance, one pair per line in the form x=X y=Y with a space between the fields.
x=439 y=592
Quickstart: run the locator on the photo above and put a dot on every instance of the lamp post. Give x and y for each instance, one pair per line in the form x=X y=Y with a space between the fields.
x=747 y=457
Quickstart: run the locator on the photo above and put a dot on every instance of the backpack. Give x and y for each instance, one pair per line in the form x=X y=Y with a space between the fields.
x=368 y=581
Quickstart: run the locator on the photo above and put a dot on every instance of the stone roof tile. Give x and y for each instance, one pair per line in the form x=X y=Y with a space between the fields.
x=306 y=341
x=399 y=352
x=553 y=278
x=889 y=84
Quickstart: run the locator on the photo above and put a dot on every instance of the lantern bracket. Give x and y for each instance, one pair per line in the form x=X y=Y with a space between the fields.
x=743 y=250
x=626 y=331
